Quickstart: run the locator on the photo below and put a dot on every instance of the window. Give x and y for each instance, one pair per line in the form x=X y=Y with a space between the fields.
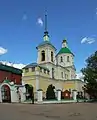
x=33 y=69
x=48 y=72
x=52 y=72
x=27 y=70
x=67 y=58
x=52 y=56
x=43 y=55
x=44 y=70
x=62 y=74
x=61 y=59
x=65 y=76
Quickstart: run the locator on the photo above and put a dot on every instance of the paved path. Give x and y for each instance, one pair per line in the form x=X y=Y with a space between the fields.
x=74 y=111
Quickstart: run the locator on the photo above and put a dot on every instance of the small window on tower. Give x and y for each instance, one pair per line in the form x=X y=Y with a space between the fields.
x=43 y=55
x=62 y=74
x=52 y=72
x=52 y=56
x=61 y=59
x=67 y=58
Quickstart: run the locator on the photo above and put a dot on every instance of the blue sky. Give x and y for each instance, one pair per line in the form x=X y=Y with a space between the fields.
x=75 y=20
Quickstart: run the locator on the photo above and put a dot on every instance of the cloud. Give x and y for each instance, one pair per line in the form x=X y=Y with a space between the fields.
x=88 y=40
x=96 y=11
x=16 y=65
x=79 y=76
x=40 y=21
x=24 y=17
x=3 y=50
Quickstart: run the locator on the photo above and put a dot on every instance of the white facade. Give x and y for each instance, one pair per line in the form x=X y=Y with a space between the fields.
x=13 y=92
x=61 y=65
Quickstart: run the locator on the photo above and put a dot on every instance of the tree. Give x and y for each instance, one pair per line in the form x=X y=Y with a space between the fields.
x=90 y=75
x=50 y=94
x=29 y=91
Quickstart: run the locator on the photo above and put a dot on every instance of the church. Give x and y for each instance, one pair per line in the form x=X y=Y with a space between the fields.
x=51 y=68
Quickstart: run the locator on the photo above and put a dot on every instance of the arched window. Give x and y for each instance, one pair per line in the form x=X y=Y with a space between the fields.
x=67 y=58
x=52 y=56
x=43 y=55
x=61 y=59
x=62 y=74
x=52 y=72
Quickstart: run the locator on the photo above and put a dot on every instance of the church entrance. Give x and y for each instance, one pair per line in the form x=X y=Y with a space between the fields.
x=29 y=92
x=6 y=95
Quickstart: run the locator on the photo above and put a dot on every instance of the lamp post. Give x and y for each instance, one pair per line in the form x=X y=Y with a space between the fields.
x=84 y=92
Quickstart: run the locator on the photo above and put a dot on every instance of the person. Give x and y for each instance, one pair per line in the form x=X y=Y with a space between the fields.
x=31 y=95
x=77 y=97
x=19 y=95
x=32 y=98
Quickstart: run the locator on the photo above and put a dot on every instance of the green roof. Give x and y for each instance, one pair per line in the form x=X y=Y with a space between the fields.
x=46 y=43
x=64 y=50
x=10 y=69
x=6 y=81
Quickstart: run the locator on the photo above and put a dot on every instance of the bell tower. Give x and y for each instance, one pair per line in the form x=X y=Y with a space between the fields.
x=46 y=51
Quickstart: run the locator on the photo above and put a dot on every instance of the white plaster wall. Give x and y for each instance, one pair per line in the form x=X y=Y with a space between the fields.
x=22 y=90
x=79 y=85
x=50 y=66
x=14 y=95
x=0 y=95
x=65 y=63
x=72 y=72
x=60 y=69
x=47 y=49
x=57 y=71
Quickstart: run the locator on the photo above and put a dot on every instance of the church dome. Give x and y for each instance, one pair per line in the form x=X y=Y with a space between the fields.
x=46 y=43
x=65 y=50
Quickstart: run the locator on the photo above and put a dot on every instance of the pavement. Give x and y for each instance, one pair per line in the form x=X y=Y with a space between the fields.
x=69 y=111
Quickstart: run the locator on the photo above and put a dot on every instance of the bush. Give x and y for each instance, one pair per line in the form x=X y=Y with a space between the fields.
x=50 y=94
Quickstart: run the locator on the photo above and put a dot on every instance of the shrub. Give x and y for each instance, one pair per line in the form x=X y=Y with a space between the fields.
x=50 y=94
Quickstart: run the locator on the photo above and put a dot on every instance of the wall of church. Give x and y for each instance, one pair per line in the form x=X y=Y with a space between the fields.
x=44 y=83
x=70 y=85
x=72 y=72
x=59 y=84
x=79 y=85
x=59 y=72
x=68 y=60
x=48 y=49
x=31 y=82
x=62 y=73
x=49 y=66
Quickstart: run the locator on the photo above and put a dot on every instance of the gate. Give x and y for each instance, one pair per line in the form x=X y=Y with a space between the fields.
x=5 y=92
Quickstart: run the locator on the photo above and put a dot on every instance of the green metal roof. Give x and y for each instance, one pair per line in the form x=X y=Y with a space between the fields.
x=10 y=69
x=7 y=81
x=64 y=50
x=46 y=43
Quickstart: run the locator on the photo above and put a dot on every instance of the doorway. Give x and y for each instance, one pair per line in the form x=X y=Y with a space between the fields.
x=6 y=95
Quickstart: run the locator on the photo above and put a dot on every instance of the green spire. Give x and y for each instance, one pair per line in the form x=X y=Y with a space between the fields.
x=46 y=36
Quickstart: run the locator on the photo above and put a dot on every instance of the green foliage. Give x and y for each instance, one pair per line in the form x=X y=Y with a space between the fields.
x=50 y=94
x=90 y=75
x=29 y=90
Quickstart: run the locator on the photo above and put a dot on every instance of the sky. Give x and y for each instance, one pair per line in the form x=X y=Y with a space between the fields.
x=22 y=28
